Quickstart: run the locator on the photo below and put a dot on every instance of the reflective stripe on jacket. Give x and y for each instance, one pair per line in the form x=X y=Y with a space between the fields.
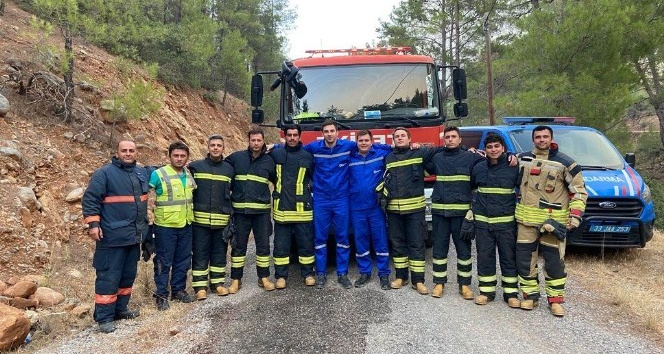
x=212 y=196
x=403 y=185
x=175 y=206
x=452 y=193
x=292 y=190
x=495 y=198
x=366 y=172
x=251 y=184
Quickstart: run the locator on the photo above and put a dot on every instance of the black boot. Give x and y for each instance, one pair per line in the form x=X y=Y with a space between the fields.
x=362 y=280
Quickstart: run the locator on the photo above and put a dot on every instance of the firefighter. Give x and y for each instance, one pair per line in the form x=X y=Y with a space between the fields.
x=450 y=202
x=212 y=210
x=367 y=167
x=254 y=170
x=115 y=209
x=551 y=203
x=292 y=208
x=174 y=185
x=403 y=189
x=493 y=212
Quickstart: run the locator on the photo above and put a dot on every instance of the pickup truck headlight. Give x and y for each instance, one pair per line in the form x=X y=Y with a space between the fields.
x=646 y=195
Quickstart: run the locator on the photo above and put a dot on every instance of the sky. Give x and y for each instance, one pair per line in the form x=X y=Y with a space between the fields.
x=336 y=24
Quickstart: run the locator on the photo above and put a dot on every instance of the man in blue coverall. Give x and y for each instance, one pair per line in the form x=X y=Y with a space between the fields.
x=367 y=166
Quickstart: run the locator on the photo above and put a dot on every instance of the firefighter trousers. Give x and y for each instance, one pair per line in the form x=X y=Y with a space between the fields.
x=328 y=212
x=443 y=227
x=116 y=272
x=172 y=258
x=304 y=238
x=209 y=258
x=528 y=247
x=261 y=225
x=370 y=229
x=486 y=242
x=407 y=236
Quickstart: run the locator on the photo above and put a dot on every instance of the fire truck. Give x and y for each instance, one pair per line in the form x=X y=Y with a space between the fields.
x=378 y=89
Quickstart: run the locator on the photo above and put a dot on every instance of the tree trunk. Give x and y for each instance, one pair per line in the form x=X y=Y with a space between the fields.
x=2 y=7
x=659 y=109
x=69 y=74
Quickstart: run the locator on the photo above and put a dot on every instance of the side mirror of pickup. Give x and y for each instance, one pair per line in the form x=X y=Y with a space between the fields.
x=257 y=116
x=630 y=158
x=257 y=90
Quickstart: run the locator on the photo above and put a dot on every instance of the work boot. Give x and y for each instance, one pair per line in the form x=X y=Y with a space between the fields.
x=344 y=281
x=438 y=290
x=127 y=315
x=421 y=288
x=398 y=283
x=266 y=284
x=528 y=304
x=280 y=284
x=201 y=295
x=482 y=299
x=236 y=284
x=466 y=293
x=321 y=279
x=362 y=280
x=107 y=327
x=309 y=281
x=513 y=303
x=384 y=282
x=557 y=309
x=221 y=290
x=183 y=297
x=162 y=303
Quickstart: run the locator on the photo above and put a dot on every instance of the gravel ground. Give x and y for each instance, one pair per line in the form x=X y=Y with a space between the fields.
x=368 y=320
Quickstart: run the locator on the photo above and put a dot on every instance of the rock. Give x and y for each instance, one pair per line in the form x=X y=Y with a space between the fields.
x=26 y=217
x=37 y=279
x=5 y=300
x=4 y=106
x=17 y=64
x=140 y=138
x=32 y=316
x=74 y=273
x=68 y=135
x=28 y=198
x=21 y=303
x=46 y=200
x=13 y=280
x=87 y=87
x=173 y=331
x=56 y=153
x=12 y=153
x=22 y=289
x=3 y=286
x=9 y=144
x=75 y=195
x=14 y=327
x=80 y=138
x=47 y=297
x=81 y=311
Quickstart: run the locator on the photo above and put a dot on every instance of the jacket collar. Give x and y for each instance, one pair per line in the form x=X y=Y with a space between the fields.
x=212 y=162
x=116 y=161
x=294 y=148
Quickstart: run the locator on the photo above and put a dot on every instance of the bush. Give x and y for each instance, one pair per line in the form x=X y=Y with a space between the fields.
x=140 y=100
x=657 y=190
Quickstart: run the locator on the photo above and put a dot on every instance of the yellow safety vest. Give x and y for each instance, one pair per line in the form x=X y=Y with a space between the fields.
x=175 y=206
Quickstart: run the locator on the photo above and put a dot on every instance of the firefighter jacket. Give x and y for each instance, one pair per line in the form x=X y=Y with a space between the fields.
x=292 y=191
x=117 y=199
x=174 y=207
x=550 y=186
x=366 y=172
x=452 y=193
x=212 y=196
x=251 y=185
x=495 y=198
x=403 y=185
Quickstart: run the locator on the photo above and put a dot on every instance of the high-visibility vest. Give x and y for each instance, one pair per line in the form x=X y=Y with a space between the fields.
x=175 y=206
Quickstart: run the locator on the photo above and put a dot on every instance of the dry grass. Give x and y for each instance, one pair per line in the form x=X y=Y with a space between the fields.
x=631 y=280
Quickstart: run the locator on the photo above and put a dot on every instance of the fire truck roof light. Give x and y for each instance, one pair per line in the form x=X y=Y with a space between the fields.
x=363 y=51
x=530 y=120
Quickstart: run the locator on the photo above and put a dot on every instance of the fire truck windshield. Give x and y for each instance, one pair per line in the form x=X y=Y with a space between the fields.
x=368 y=92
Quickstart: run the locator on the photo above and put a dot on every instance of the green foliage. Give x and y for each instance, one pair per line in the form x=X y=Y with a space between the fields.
x=211 y=96
x=649 y=147
x=140 y=100
x=657 y=191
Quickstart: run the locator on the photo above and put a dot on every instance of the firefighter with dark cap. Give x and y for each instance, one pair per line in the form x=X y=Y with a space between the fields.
x=292 y=208
x=551 y=204
x=492 y=213
x=212 y=211
x=115 y=208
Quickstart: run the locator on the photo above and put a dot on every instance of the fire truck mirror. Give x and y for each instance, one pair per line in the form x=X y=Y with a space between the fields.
x=460 y=110
x=459 y=82
x=257 y=90
x=257 y=116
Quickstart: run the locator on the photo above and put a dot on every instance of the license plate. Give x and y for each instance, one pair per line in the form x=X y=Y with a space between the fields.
x=611 y=229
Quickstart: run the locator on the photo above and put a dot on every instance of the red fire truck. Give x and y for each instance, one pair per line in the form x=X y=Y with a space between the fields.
x=375 y=88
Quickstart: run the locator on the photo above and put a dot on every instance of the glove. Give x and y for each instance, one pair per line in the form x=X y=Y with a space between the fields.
x=229 y=232
x=147 y=247
x=468 y=227
x=574 y=219
x=554 y=227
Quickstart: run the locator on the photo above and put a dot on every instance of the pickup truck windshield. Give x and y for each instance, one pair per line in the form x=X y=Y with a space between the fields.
x=368 y=92
x=588 y=148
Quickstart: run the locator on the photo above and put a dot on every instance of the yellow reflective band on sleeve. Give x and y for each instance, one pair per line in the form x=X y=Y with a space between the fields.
x=277 y=187
x=252 y=178
x=211 y=176
x=556 y=282
x=441 y=206
x=493 y=190
x=263 y=261
x=440 y=261
x=439 y=274
x=406 y=204
x=299 y=185
x=250 y=206
x=212 y=219
x=495 y=219
x=487 y=289
x=200 y=273
x=577 y=204
x=306 y=260
x=238 y=262
x=414 y=161
x=217 y=269
x=487 y=279
x=465 y=261
x=453 y=178
x=511 y=280
x=535 y=216
x=463 y=274
x=280 y=261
